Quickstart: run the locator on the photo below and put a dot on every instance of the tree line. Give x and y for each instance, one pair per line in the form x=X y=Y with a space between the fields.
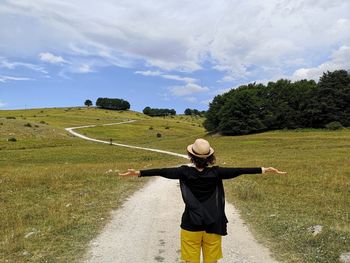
x=194 y=112
x=282 y=104
x=120 y=104
x=158 y=112
x=112 y=104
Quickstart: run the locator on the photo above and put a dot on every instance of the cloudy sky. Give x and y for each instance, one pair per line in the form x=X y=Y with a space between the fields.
x=170 y=53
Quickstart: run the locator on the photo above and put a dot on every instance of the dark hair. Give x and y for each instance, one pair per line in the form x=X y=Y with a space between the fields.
x=202 y=162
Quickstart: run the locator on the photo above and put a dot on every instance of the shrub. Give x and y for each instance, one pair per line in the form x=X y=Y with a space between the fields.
x=150 y=128
x=167 y=127
x=42 y=122
x=1 y=123
x=11 y=118
x=12 y=139
x=27 y=125
x=334 y=125
x=159 y=135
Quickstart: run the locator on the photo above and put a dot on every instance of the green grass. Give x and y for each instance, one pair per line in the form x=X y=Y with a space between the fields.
x=62 y=197
x=57 y=190
x=176 y=133
x=280 y=208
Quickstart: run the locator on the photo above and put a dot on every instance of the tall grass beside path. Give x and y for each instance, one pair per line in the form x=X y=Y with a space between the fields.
x=56 y=190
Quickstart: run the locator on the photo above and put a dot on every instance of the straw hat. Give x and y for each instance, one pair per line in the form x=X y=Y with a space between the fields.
x=201 y=148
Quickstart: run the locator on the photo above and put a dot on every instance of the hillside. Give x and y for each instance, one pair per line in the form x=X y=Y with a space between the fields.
x=59 y=190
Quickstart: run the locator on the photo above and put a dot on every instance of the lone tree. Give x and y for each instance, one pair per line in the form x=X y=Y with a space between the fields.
x=88 y=103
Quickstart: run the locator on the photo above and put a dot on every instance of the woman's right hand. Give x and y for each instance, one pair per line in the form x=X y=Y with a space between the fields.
x=130 y=172
x=273 y=170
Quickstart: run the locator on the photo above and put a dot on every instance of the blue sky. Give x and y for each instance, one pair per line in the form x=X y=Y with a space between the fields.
x=173 y=54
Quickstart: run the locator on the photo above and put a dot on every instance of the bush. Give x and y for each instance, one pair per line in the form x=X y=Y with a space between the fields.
x=334 y=125
x=11 y=118
x=42 y=122
x=159 y=135
x=27 y=125
x=167 y=127
x=12 y=139
x=150 y=128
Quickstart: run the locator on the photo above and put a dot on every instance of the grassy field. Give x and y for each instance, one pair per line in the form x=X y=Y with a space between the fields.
x=315 y=191
x=57 y=190
x=279 y=209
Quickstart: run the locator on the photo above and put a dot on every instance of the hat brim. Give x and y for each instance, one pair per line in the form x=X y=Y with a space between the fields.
x=190 y=150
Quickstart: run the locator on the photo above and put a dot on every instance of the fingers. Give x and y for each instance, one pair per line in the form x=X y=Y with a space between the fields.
x=274 y=170
x=130 y=172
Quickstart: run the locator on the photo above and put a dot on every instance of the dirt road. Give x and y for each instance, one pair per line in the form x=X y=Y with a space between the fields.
x=146 y=228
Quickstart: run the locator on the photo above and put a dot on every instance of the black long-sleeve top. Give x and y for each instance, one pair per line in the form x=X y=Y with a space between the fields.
x=203 y=194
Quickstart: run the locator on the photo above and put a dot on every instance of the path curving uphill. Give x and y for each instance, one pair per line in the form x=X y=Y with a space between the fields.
x=144 y=229
x=71 y=130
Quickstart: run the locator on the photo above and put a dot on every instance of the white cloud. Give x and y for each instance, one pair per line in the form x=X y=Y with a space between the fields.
x=340 y=59
x=148 y=73
x=84 y=68
x=4 y=63
x=176 y=77
x=166 y=76
x=244 y=39
x=189 y=88
x=4 y=79
x=51 y=58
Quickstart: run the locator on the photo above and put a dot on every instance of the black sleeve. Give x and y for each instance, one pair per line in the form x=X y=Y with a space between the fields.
x=228 y=173
x=170 y=173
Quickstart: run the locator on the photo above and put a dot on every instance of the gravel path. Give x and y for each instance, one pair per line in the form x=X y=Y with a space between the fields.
x=145 y=230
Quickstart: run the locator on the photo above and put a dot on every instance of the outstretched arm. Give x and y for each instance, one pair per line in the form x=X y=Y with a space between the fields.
x=228 y=173
x=170 y=173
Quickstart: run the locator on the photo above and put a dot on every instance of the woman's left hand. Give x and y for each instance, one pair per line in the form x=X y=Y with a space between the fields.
x=130 y=172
